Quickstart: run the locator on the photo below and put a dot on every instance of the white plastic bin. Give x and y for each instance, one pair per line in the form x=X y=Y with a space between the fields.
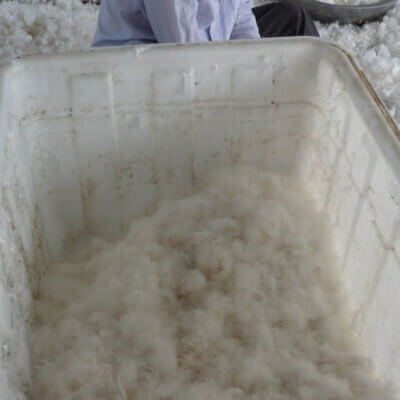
x=89 y=139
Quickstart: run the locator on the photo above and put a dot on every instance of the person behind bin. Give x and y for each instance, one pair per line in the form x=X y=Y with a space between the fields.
x=181 y=21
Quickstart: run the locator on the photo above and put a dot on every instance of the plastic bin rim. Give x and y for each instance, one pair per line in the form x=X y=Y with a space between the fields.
x=141 y=49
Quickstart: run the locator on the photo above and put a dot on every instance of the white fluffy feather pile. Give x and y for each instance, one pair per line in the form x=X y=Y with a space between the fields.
x=36 y=26
x=230 y=293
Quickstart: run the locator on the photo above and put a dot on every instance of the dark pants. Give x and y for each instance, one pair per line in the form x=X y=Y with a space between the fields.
x=284 y=19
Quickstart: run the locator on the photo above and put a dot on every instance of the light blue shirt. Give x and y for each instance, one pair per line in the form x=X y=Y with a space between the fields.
x=173 y=21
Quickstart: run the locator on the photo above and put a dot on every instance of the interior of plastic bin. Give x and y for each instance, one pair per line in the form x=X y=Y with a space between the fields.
x=88 y=140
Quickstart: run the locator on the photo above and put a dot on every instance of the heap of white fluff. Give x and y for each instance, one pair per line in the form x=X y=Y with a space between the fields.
x=376 y=47
x=33 y=26
x=230 y=293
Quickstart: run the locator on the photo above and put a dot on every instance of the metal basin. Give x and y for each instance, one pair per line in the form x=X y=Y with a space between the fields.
x=356 y=15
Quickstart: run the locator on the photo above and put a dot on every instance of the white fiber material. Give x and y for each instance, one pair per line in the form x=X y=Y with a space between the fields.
x=377 y=48
x=44 y=27
x=230 y=293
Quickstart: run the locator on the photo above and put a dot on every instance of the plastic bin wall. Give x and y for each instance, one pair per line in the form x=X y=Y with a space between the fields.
x=88 y=140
